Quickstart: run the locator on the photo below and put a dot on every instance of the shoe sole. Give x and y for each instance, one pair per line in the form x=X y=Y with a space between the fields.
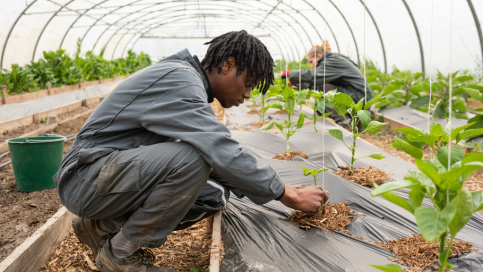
x=85 y=236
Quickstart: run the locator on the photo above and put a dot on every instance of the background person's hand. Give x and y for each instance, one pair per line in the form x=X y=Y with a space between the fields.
x=302 y=198
x=285 y=74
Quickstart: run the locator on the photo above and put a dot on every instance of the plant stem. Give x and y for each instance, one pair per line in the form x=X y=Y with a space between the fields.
x=263 y=112
x=442 y=248
x=353 y=149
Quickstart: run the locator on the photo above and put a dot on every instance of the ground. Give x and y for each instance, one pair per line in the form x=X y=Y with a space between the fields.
x=22 y=213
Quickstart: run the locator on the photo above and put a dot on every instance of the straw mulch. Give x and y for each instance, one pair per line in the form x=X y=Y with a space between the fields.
x=184 y=250
x=364 y=175
x=418 y=254
x=288 y=157
x=330 y=217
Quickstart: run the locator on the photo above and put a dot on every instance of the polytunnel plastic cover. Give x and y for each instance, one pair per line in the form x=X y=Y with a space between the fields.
x=429 y=36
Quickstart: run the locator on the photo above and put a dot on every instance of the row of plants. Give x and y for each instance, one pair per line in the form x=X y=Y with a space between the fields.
x=416 y=91
x=60 y=69
x=440 y=178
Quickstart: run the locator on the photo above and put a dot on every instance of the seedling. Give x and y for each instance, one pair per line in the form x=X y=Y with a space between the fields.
x=314 y=172
x=318 y=106
x=358 y=113
x=442 y=181
x=288 y=104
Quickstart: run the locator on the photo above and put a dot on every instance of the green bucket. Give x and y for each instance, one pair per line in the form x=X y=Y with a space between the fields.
x=35 y=161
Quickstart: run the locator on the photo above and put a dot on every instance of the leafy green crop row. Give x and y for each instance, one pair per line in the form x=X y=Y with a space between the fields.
x=415 y=91
x=60 y=69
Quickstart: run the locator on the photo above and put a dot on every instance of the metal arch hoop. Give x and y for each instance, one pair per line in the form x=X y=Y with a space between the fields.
x=478 y=26
x=180 y=10
x=10 y=31
x=308 y=36
x=421 y=51
x=220 y=15
x=75 y=21
x=380 y=37
x=46 y=25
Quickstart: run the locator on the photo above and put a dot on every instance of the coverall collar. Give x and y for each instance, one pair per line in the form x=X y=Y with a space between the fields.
x=194 y=61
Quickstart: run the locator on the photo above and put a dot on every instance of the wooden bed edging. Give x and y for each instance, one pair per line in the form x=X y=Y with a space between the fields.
x=32 y=254
x=36 y=117
x=8 y=99
x=215 y=251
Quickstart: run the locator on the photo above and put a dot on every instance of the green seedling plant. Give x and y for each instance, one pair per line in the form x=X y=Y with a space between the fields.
x=272 y=94
x=288 y=127
x=440 y=179
x=359 y=114
x=314 y=173
x=318 y=106
x=440 y=97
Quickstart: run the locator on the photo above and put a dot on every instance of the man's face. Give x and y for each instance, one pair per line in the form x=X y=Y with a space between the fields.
x=231 y=90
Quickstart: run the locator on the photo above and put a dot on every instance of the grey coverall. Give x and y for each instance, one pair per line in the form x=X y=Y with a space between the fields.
x=338 y=71
x=147 y=150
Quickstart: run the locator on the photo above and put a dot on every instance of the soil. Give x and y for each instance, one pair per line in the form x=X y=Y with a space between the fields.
x=287 y=157
x=21 y=214
x=414 y=251
x=364 y=176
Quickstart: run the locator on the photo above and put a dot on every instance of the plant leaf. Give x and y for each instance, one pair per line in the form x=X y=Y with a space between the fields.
x=337 y=134
x=437 y=130
x=388 y=267
x=469 y=133
x=377 y=156
x=456 y=155
x=407 y=147
x=373 y=127
x=416 y=196
x=429 y=171
x=427 y=139
x=343 y=99
x=401 y=202
x=464 y=209
x=477 y=200
x=267 y=126
x=365 y=117
x=431 y=223
x=391 y=186
x=300 y=122
x=411 y=131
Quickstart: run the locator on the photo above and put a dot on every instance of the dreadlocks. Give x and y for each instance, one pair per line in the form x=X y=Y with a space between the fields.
x=249 y=53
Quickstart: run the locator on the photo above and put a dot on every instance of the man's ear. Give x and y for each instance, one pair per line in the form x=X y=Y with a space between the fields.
x=228 y=65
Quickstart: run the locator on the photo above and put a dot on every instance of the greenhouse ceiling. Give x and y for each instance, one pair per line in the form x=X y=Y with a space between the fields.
x=431 y=35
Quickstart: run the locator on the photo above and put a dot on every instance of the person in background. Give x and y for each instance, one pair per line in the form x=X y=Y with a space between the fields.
x=153 y=158
x=332 y=71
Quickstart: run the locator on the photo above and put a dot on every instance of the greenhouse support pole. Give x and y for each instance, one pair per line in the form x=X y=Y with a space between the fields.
x=478 y=27
x=421 y=52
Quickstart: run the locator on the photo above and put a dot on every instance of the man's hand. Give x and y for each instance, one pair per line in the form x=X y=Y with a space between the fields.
x=308 y=199
x=285 y=74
